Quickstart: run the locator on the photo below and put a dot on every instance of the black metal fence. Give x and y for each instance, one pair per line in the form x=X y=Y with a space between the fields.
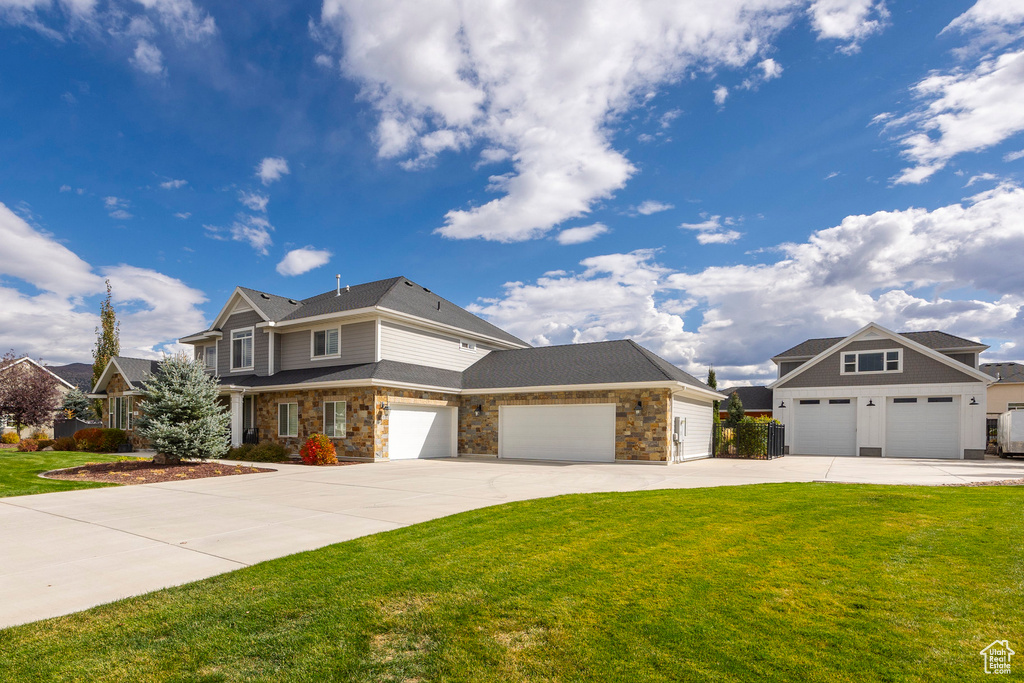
x=251 y=435
x=754 y=440
x=62 y=428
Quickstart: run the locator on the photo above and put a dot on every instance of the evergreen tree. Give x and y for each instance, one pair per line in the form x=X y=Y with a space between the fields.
x=180 y=415
x=108 y=341
x=713 y=383
x=735 y=409
x=76 y=405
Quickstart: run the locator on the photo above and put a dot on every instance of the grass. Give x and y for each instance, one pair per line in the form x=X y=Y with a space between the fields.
x=775 y=582
x=19 y=472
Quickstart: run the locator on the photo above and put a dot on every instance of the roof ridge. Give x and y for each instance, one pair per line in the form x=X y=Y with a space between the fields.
x=396 y=279
x=647 y=354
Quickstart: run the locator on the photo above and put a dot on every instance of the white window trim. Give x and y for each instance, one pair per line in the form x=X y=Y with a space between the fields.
x=231 y=347
x=206 y=356
x=883 y=371
x=1014 y=406
x=335 y=403
x=467 y=345
x=287 y=403
x=312 y=339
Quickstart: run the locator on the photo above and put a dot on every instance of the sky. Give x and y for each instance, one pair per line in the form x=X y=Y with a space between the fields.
x=717 y=179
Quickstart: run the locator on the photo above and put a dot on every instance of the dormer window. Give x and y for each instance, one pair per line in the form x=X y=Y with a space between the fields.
x=325 y=343
x=872 y=362
x=467 y=345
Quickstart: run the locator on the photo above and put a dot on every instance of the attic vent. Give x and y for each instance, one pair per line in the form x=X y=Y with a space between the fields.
x=408 y=284
x=293 y=301
x=265 y=296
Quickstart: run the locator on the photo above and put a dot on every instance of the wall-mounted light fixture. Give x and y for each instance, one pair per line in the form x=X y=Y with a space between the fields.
x=871 y=403
x=973 y=402
x=479 y=409
x=639 y=408
x=385 y=410
x=782 y=404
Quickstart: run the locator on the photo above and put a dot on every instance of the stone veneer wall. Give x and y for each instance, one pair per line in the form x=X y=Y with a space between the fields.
x=117 y=386
x=644 y=438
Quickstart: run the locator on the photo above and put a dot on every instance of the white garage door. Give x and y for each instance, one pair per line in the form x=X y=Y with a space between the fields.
x=563 y=432
x=421 y=432
x=922 y=427
x=826 y=426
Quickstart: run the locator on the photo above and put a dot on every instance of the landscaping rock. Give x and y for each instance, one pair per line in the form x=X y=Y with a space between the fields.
x=48 y=448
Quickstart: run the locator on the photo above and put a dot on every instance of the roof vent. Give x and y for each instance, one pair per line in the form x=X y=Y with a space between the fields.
x=265 y=296
x=426 y=290
x=293 y=301
x=408 y=284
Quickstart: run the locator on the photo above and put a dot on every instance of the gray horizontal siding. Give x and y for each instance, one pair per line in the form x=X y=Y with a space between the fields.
x=969 y=359
x=917 y=369
x=419 y=347
x=260 y=344
x=357 y=341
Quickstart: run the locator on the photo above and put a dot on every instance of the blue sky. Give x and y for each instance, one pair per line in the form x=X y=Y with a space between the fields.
x=717 y=181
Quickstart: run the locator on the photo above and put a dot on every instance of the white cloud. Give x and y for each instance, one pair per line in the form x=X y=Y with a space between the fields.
x=325 y=61
x=186 y=21
x=254 y=201
x=831 y=175
x=981 y=177
x=652 y=206
x=271 y=169
x=991 y=22
x=254 y=230
x=770 y=69
x=117 y=208
x=712 y=230
x=1013 y=156
x=535 y=80
x=582 y=234
x=299 y=261
x=65 y=188
x=58 y=322
x=148 y=58
x=962 y=111
x=902 y=269
x=173 y=184
x=850 y=21
x=183 y=215
x=721 y=93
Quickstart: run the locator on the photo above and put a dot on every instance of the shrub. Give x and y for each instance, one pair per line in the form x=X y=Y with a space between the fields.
x=112 y=439
x=65 y=443
x=318 y=450
x=45 y=443
x=240 y=452
x=39 y=435
x=268 y=451
x=28 y=445
x=9 y=437
x=89 y=439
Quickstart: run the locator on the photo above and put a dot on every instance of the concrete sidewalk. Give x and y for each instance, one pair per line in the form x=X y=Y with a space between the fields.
x=64 y=552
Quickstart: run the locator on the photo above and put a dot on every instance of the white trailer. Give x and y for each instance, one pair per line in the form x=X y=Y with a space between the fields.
x=1010 y=434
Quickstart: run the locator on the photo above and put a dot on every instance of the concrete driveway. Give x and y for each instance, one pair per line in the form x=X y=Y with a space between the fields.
x=64 y=552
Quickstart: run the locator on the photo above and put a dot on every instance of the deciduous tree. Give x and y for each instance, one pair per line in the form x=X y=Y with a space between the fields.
x=29 y=395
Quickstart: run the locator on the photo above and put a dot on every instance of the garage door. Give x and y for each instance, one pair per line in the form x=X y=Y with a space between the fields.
x=563 y=432
x=922 y=427
x=826 y=426
x=421 y=432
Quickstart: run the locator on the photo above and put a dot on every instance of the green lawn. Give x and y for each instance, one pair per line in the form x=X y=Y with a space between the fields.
x=19 y=472
x=776 y=582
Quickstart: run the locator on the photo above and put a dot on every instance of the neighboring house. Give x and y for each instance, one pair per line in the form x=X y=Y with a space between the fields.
x=389 y=370
x=757 y=401
x=882 y=393
x=1007 y=393
x=120 y=385
x=22 y=365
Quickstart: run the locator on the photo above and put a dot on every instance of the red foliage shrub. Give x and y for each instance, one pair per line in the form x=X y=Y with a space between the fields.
x=65 y=443
x=318 y=450
x=28 y=445
x=89 y=439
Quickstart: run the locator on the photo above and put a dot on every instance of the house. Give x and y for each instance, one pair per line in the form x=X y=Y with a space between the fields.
x=390 y=370
x=882 y=393
x=1007 y=392
x=26 y=364
x=757 y=401
x=77 y=374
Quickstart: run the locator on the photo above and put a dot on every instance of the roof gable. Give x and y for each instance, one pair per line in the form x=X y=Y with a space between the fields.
x=871 y=332
x=26 y=359
x=933 y=339
x=135 y=371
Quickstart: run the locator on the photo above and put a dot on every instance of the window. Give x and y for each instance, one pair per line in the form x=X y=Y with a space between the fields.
x=1015 y=406
x=210 y=357
x=325 y=343
x=466 y=345
x=838 y=401
x=287 y=419
x=334 y=419
x=809 y=402
x=241 y=349
x=904 y=400
x=119 y=409
x=940 y=399
x=872 y=361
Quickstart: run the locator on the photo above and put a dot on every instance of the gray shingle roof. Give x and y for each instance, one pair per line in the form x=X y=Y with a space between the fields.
x=385 y=370
x=933 y=339
x=753 y=398
x=273 y=306
x=1008 y=373
x=77 y=374
x=597 y=363
x=137 y=370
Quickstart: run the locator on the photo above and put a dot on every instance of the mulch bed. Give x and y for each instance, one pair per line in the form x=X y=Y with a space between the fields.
x=147 y=472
